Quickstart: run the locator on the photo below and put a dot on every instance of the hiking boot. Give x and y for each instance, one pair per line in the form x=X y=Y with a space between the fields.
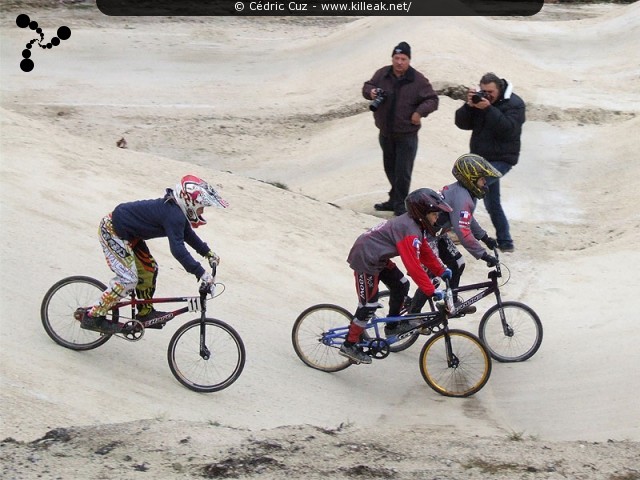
x=507 y=248
x=162 y=317
x=384 y=206
x=98 y=324
x=354 y=353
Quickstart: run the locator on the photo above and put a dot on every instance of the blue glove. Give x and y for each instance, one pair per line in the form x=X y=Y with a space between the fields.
x=446 y=275
x=438 y=295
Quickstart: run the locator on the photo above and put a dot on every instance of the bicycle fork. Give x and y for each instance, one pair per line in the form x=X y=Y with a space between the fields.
x=452 y=359
x=205 y=353
x=506 y=328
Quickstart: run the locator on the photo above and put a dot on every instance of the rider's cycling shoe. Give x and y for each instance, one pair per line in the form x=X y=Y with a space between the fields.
x=98 y=324
x=152 y=315
x=469 y=309
x=354 y=353
x=398 y=328
x=390 y=329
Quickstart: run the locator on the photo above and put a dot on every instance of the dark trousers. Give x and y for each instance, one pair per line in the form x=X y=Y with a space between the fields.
x=494 y=207
x=398 y=156
x=452 y=258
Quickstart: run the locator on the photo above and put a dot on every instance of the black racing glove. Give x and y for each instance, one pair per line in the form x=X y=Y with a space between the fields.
x=490 y=259
x=491 y=243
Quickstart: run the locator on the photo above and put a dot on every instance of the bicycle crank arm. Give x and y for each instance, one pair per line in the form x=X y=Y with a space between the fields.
x=132 y=331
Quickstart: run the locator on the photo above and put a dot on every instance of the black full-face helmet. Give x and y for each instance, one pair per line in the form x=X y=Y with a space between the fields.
x=423 y=201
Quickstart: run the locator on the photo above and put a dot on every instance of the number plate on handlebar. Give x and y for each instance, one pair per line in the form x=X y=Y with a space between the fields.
x=194 y=304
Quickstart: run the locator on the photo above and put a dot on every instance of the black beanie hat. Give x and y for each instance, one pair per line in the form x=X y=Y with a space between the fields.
x=402 y=47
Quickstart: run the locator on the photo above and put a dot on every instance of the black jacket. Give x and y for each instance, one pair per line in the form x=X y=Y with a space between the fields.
x=496 y=130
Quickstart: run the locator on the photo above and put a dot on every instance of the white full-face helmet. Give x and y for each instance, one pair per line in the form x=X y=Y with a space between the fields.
x=192 y=194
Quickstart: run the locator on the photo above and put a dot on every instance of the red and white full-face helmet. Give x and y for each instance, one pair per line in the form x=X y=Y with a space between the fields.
x=192 y=194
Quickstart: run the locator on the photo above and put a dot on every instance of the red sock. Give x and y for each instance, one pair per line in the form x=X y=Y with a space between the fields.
x=355 y=331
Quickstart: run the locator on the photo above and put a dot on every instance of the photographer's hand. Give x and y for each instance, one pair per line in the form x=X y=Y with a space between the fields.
x=470 y=93
x=373 y=93
x=482 y=104
x=415 y=118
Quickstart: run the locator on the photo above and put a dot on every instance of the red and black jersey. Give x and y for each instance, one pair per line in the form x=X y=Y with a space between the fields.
x=400 y=236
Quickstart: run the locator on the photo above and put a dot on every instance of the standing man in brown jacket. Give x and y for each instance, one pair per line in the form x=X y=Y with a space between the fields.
x=401 y=96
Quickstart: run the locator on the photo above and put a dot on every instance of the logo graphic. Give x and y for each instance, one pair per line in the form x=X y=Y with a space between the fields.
x=23 y=21
x=465 y=219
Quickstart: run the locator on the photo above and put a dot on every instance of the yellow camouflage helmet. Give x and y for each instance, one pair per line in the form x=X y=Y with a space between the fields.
x=468 y=168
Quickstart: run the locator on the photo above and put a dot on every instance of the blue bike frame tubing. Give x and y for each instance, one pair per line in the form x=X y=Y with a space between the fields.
x=339 y=333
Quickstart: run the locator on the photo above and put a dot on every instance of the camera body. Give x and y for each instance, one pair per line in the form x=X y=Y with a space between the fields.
x=381 y=95
x=479 y=95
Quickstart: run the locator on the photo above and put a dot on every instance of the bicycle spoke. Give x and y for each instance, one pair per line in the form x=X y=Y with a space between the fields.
x=317 y=335
x=459 y=375
x=512 y=333
x=213 y=367
x=59 y=305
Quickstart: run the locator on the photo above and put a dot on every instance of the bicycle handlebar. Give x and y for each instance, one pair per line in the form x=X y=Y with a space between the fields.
x=497 y=255
x=205 y=289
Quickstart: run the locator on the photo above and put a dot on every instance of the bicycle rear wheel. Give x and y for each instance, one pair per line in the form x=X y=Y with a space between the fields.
x=400 y=345
x=59 y=305
x=310 y=340
x=214 y=367
x=512 y=333
x=463 y=373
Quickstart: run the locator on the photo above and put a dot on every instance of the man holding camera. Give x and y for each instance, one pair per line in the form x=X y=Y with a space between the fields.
x=401 y=96
x=495 y=116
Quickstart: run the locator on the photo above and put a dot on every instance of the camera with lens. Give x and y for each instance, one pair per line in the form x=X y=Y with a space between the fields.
x=479 y=95
x=380 y=96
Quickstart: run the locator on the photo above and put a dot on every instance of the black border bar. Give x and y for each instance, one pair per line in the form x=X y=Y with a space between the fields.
x=357 y=8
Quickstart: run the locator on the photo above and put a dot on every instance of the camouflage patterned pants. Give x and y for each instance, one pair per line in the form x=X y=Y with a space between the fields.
x=133 y=265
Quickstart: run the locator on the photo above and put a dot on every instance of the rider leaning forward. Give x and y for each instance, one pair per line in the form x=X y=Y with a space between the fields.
x=370 y=258
x=123 y=232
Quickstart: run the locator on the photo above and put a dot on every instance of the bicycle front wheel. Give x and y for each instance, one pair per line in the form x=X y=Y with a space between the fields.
x=317 y=335
x=455 y=363
x=512 y=332
x=210 y=365
x=59 y=305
